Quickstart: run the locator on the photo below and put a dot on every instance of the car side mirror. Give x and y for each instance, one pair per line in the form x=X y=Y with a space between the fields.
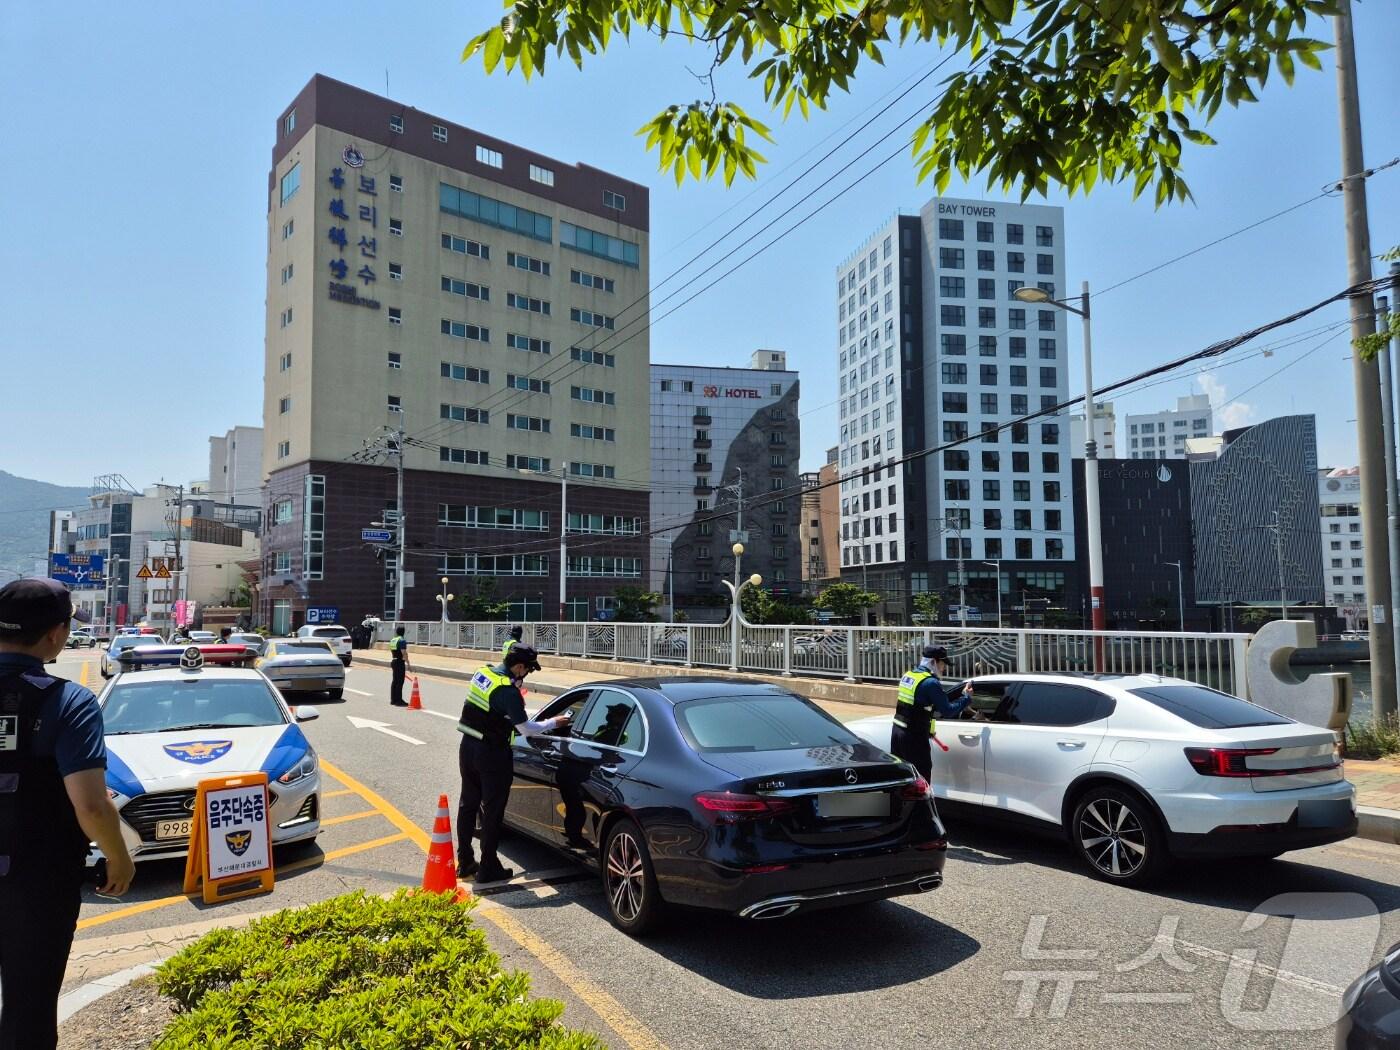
x=306 y=713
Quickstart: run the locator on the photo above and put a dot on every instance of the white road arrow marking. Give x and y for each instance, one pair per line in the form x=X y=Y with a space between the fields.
x=380 y=727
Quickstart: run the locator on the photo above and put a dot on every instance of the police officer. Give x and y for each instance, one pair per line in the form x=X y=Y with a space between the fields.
x=492 y=714
x=516 y=634
x=398 y=666
x=921 y=697
x=53 y=801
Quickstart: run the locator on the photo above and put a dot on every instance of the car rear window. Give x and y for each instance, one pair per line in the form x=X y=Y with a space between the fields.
x=303 y=647
x=205 y=703
x=1209 y=708
x=330 y=632
x=758 y=723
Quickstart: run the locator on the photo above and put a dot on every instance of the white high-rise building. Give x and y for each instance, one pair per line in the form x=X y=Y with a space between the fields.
x=235 y=466
x=1105 y=423
x=1163 y=435
x=1343 y=557
x=932 y=349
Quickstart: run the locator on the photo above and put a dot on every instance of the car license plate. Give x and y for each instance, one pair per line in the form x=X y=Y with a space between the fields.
x=840 y=804
x=1324 y=812
x=174 y=829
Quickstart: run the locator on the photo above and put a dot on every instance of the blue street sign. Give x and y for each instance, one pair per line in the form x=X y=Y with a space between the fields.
x=376 y=535
x=323 y=614
x=79 y=571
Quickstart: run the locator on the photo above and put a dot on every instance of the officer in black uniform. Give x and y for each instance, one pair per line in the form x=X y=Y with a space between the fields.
x=921 y=698
x=53 y=801
x=398 y=667
x=493 y=713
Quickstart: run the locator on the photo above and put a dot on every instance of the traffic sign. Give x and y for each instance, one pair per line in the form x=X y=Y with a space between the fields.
x=144 y=573
x=376 y=535
x=78 y=571
x=322 y=614
x=162 y=573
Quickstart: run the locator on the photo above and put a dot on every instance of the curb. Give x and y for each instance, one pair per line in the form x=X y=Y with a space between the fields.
x=85 y=995
x=1379 y=825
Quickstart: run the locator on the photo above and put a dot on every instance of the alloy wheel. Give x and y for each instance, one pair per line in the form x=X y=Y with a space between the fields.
x=1112 y=837
x=626 y=877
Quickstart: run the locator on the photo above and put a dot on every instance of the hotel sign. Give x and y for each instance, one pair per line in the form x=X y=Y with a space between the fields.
x=732 y=391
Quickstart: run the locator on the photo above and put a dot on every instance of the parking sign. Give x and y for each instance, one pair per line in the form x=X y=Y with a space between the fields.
x=322 y=614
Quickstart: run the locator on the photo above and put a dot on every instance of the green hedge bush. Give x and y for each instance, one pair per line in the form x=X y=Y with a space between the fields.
x=361 y=973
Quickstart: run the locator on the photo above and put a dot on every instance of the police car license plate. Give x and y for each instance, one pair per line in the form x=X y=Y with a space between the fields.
x=839 y=804
x=174 y=829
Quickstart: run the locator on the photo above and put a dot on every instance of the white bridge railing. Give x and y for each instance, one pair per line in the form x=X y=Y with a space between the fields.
x=873 y=654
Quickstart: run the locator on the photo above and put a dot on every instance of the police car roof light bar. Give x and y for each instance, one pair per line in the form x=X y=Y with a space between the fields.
x=189 y=657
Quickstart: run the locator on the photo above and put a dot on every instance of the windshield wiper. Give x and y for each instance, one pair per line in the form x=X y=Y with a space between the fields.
x=198 y=725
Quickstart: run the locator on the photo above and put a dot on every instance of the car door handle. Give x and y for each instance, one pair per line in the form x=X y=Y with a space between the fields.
x=970 y=738
x=1070 y=743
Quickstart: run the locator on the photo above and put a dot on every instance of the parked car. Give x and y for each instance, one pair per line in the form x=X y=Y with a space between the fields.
x=1136 y=769
x=81 y=638
x=168 y=726
x=723 y=794
x=203 y=637
x=1371 y=1008
x=119 y=645
x=255 y=642
x=337 y=636
x=303 y=665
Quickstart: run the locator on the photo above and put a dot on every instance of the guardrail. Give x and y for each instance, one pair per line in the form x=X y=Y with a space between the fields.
x=868 y=654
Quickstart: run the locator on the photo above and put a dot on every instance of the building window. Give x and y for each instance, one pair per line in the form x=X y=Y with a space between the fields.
x=602 y=245
x=396 y=227
x=1017 y=345
x=396 y=124
x=533 y=386
x=466 y=288
x=284 y=406
x=986 y=232
x=950 y=229
x=527 y=303
x=471 y=456
x=523 y=342
x=953 y=372
x=954 y=343
x=1016 y=262
x=1048 y=350
x=536 y=424
x=1047 y=320
x=986 y=317
x=952 y=287
x=462 y=246
x=490 y=157
x=616 y=201
x=462 y=330
x=597 y=397
x=593 y=357
x=289 y=122
x=528 y=263
x=395 y=359
x=951 y=258
x=291 y=182
x=287 y=228
x=396 y=271
x=591 y=280
x=395 y=403
x=286 y=317
x=986 y=288
x=1044 y=237
x=588 y=317
x=1015 y=233
x=284 y=362
x=396 y=183
x=395 y=315
x=954 y=401
x=1047 y=377
x=284 y=449
x=592 y=470
x=952 y=315
x=989 y=404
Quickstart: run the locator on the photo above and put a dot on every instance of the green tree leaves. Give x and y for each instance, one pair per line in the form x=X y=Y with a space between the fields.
x=1071 y=92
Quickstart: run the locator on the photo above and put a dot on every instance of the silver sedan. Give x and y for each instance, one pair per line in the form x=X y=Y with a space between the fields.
x=303 y=665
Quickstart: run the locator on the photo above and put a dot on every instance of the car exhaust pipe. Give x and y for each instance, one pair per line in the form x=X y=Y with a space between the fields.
x=930 y=883
x=775 y=911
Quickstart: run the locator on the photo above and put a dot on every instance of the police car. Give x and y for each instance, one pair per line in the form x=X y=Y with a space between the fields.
x=175 y=715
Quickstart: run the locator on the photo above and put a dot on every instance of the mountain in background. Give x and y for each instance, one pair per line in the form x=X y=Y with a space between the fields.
x=24 y=518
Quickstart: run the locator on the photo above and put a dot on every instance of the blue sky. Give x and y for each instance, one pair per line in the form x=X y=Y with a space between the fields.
x=134 y=229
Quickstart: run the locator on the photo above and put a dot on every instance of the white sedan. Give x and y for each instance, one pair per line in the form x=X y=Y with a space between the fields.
x=1136 y=769
x=170 y=726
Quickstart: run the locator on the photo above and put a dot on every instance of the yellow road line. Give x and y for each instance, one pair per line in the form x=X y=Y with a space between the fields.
x=165 y=902
x=351 y=816
x=83 y=674
x=336 y=794
x=617 y=1017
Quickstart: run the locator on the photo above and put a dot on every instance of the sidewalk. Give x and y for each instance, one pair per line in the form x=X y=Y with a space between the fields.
x=1377 y=782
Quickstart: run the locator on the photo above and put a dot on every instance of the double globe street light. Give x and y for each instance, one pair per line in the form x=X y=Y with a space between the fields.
x=444 y=598
x=734 y=589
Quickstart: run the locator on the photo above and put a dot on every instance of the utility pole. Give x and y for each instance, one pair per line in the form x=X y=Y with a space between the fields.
x=396 y=449
x=1277 y=529
x=1392 y=496
x=564 y=541
x=1365 y=374
x=175 y=572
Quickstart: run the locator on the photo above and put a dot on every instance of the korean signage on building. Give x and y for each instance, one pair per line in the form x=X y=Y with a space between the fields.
x=364 y=200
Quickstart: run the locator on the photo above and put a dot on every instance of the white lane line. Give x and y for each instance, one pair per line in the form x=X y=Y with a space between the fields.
x=381 y=727
x=357 y=692
x=439 y=714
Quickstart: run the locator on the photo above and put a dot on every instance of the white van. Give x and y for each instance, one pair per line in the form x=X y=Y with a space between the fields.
x=337 y=636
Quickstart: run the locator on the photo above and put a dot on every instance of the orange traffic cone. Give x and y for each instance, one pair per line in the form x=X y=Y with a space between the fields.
x=415 y=699
x=440 y=873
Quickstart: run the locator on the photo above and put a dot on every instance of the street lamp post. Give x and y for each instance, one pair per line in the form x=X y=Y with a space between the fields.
x=734 y=589
x=1091 y=461
x=1180 y=595
x=996 y=564
x=444 y=597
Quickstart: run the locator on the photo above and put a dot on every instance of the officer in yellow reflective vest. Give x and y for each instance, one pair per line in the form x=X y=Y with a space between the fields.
x=492 y=714
x=921 y=698
x=516 y=633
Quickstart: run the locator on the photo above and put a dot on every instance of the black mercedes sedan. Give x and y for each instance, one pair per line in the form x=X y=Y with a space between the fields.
x=723 y=794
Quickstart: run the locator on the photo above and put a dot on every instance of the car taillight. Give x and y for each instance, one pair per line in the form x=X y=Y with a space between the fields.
x=915 y=791
x=726 y=805
x=1225 y=761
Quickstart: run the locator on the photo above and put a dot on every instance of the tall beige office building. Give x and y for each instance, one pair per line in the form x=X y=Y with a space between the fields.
x=491 y=304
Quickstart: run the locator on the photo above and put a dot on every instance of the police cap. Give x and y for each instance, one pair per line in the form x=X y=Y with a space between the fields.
x=935 y=652
x=36 y=604
x=523 y=654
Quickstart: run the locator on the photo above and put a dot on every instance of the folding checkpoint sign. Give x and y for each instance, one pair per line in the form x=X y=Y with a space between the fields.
x=231 y=840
